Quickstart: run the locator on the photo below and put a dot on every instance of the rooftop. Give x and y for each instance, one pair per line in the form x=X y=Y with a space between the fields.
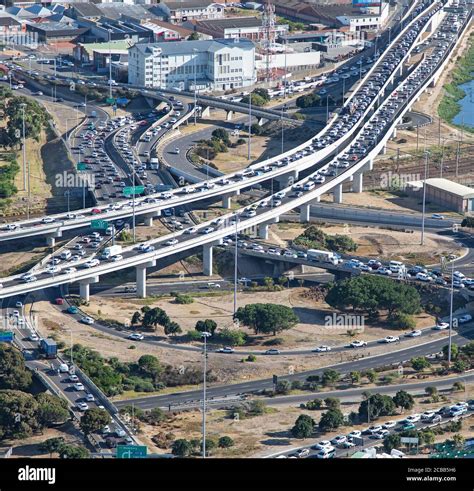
x=451 y=187
x=233 y=22
x=185 y=47
x=189 y=4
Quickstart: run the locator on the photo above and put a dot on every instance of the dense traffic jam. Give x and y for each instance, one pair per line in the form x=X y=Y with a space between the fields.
x=344 y=123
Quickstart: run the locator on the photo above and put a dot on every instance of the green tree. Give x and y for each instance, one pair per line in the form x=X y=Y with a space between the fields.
x=355 y=377
x=304 y=426
x=403 y=400
x=136 y=318
x=332 y=403
x=155 y=416
x=221 y=134
x=210 y=446
x=310 y=100
x=194 y=36
x=257 y=408
x=376 y=405
x=263 y=93
x=330 y=377
x=371 y=375
x=73 y=452
x=150 y=366
x=460 y=366
x=18 y=414
x=420 y=363
x=283 y=387
x=454 y=351
x=225 y=442
x=314 y=404
x=232 y=337
x=331 y=420
x=458 y=440
x=267 y=317
x=13 y=372
x=172 y=328
x=207 y=325
x=392 y=441
x=94 y=419
x=432 y=392
x=155 y=317
x=182 y=448
x=52 y=445
x=51 y=409
x=427 y=437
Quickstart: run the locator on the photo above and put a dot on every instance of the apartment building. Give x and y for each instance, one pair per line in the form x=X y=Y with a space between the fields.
x=218 y=64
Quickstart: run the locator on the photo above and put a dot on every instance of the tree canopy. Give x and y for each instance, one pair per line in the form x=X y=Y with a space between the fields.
x=303 y=427
x=265 y=318
x=13 y=371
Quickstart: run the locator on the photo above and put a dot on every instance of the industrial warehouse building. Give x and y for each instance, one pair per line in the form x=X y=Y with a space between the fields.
x=446 y=193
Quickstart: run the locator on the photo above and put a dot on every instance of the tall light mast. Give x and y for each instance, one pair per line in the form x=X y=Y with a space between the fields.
x=269 y=35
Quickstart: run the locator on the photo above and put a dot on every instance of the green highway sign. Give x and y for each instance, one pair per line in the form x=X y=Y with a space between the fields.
x=110 y=100
x=99 y=224
x=129 y=190
x=81 y=166
x=6 y=336
x=131 y=451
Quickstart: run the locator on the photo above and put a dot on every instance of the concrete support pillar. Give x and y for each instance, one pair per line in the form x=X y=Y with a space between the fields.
x=383 y=151
x=227 y=201
x=141 y=281
x=263 y=231
x=206 y=112
x=304 y=213
x=357 y=184
x=84 y=287
x=207 y=259
x=51 y=238
x=148 y=218
x=317 y=199
x=369 y=165
x=394 y=133
x=229 y=115
x=140 y=276
x=337 y=193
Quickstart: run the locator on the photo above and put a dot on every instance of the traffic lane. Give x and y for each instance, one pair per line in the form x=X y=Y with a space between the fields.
x=361 y=364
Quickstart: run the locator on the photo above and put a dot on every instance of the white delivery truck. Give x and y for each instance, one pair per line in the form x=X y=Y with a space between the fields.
x=154 y=163
x=111 y=251
x=66 y=254
x=322 y=256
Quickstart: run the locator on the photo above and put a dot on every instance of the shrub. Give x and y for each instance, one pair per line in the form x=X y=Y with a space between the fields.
x=183 y=299
x=403 y=321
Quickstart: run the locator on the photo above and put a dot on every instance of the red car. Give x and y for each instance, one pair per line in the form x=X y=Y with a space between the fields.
x=96 y=211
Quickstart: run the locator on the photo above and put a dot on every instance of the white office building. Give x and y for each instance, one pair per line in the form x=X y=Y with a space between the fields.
x=216 y=64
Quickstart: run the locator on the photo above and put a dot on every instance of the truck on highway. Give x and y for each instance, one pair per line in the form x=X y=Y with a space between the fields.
x=110 y=251
x=48 y=348
x=154 y=163
x=66 y=254
x=323 y=256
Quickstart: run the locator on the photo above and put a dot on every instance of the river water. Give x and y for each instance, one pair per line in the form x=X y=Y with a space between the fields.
x=466 y=114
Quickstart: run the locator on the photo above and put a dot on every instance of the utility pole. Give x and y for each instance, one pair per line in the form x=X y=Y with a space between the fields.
x=282 y=132
x=398 y=160
x=204 y=335
x=458 y=151
x=195 y=94
x=451 y=314
x=417 y=136
x=424 y=200
x=250 y=125
x=235 y=262
x=110 y=64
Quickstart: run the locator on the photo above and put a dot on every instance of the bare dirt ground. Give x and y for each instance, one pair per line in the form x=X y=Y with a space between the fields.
x=380 y=243
x=264 y=435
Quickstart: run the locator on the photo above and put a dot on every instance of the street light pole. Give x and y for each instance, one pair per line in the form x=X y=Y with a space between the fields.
x=110 y=64
x=204 y=335
x=235 y=263
x=424 y=201
x=451 y=313
x=250 y=126
x=195 y=83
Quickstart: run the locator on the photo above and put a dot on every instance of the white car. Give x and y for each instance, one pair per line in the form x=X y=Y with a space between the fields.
x=82 y=406
x=322 y=349
x=414 y=334
x=73 y=378
x=358 y=344
x=381 y=434
x=47 y=220
x=90 y=397
x=116 y=258
x=354 y=434
x=465 y=318
x=87 y=320
x=272 y=351
x=322 y=445
x=92 y=263
x=326 y=453
x=302 y=453
x=70 y=270
x=207 y=230
x=78 y=386
x=389 y=424
x=339 y=440
x=440 y=326
x=33 y=337
x=391 y=339
x=171 y=242
x=136 y=336
x=413 y=418
x=427 y=415
x=374 y=429
x=226 y=349
x=190 y=230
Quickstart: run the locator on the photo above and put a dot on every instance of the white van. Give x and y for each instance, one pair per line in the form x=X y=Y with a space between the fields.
x=396 y=266
x=66 y=254
x=63 y=368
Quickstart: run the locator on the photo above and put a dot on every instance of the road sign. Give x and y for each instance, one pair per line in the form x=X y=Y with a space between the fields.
x=6 y=336
x=400 y=370
x=110 y=100
x=129 y=190
x=406 y=439
x=81 y=166
x=99 y=224
x=131 y=451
